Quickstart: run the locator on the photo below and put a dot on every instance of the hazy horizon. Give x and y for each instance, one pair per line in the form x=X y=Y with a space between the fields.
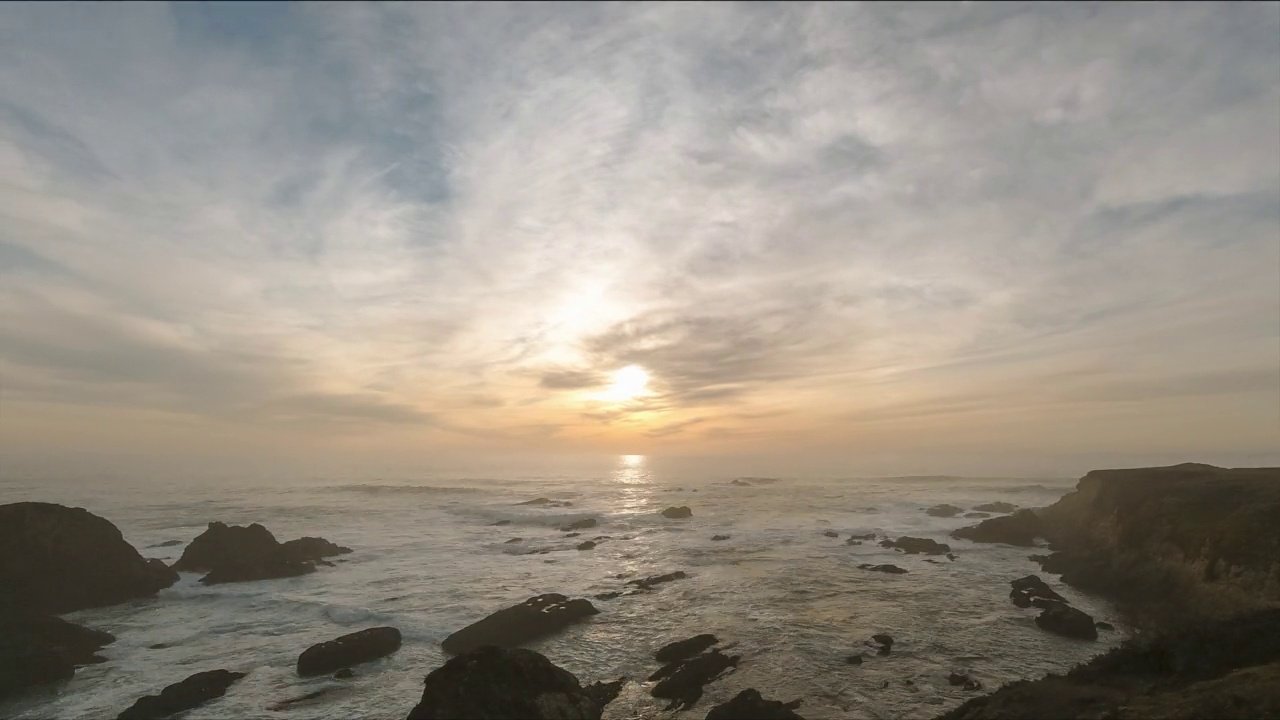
x=880 y=239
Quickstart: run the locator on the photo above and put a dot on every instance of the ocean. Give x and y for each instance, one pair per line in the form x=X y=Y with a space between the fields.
x=429 y=560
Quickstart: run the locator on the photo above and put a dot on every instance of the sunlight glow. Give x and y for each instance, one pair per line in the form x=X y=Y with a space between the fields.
x=628 y=383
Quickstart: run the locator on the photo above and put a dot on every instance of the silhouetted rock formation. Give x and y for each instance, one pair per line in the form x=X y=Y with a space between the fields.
x=676 y=513
x=1030 y=588
x=56 y=559
x=508 y=684
x=1021 y=528
x=531 y=619
x=681 y=681
x=996 y=507
x=915 y=545
x=891 y=569
x=192 y=692
x=944 y=510
x=39 y=649
x=232 y=553
x=682 y=649
x=351 y=649
x=749 y=705
x=1061 y=618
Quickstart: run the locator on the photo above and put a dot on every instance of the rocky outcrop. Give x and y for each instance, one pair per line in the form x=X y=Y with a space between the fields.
x=915 y=545
x=682 y=649
x=499 y=683
x=1061 y=618
x=531 y=619
x=996 y=507
x=56 y=559
x=351 y=649
x=681 y=681
x=232 y=553
x=649 y=582
x=749 y=705
x=1021 y=528
x=944 y=510
x=1031 y=588
x=192 y=692
x=38 y=649
x=677 y=513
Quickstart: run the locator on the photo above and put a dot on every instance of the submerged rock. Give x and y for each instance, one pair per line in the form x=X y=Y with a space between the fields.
x=681 y=681
x=38 y=649
x=192 y=692
x=649 y=582
x=498 y=683
x=538 y=616
x=740 y=482
x=944 y=510
x=682 y=649
x=234 y=553
x=586 y=545
x=351 y=649
x=996 y=507
x=676 y=513
x=56 y=559
x=891 y=569
x=719 y=537
x=580 y=524
x=1061 y=618
x=1021 y=528
x=915 y=545
x=885 y=641
x=344 y=674
x=749 y=705
x=1030 y=588
x=513 y=540
x=831 y=533
x=867 y=536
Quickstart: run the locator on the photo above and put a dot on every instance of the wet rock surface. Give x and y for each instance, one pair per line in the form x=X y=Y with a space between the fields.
x=192 y=692
x=351 y=649
x=1021 y=528
x=538 y=616
x=996 y=507
x=682 y=649
x=676 y=513
x=944 y=510
x=681 y=681
x=749 y=705
x=915 y=545
x=38 y=649
x=234 y=553
x=1030 y=588
x=1061 y=618
x=891 y=569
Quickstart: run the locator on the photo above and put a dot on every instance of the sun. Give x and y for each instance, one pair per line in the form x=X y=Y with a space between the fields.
x=628 y=383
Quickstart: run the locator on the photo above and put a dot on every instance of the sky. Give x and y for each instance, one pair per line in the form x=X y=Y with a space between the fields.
x=975 y=237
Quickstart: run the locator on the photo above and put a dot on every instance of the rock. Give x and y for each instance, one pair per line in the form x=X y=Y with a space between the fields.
x=891 y=569
x=498 y=683
x=351 y=649
x=649 y=582
x=580 y=524
x=232 y=553
x=681 y=681
x=1104 y=625
x=344 y=674
x=854 y=659
x=952 y=557
x=1021 y=528
x=55 y=559
x=311 y=549
x=958 y=678
x=192 y=692
x=1027 y=589
x=749 y=705
x=977 y=515
x=676 y=513
x=167 y=543
x=513 y=540
x=682 y=649
x=719 y=537
x=1065 y=620
x=996 y=507
x=868 y=536
x=501 y=523
x=538 y=616
x=608 y=595
x=944 y=510
x=828 y=533
x=914 y=545
x=587 y=545
x=572 y=534
x=740 y=482
x=37 y=649
x=536 y=501
x=884 y=641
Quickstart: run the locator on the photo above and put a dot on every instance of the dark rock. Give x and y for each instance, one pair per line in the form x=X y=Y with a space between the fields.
x=854 y=659
x=891 y=569
x=159 y=646
x=952 y=557
x=531 y=619
x=1065 y=620
x=681 y=681
x=1021 y=528
x=311 y=549
x=513 y=540
x=676 y=513
x=56 y=559
x=828 y=533
x=168 y=543
x=963 y=679
x=604 y=692
x=608 y=595
x=192 y=692
x=344 y=674
x=944 y=510
x=1104 y=625
x=719 y=537
x=38 y=649
x=649 y=582
x=682 y=649
x=749 y=705
x=977 y=515
x=572 y=534
x=536 y=501
x=996 y=507
x=497 y=683
x=1027 y=589
x=868 y=536
x=580 y=524
x=501 y=522
x=232 y=553
x=587 y=545
x=851 y=541
x=885 y=642
x=915 y=545
x=352 y=649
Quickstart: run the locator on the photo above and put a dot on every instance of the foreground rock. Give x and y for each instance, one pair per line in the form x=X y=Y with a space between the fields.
x=531 y=619
x=676 y=513
x=1021 y=528
x=682 y=681
x=944 y=510
x=497 y=683
x=682 y=649
x=233 y=553
x=55 y=559
x=1061 y=618
x=41 y=649
x=192 y=692
x=749 y=705
x=352 y=649
x=1031 y=588
x=915 y=545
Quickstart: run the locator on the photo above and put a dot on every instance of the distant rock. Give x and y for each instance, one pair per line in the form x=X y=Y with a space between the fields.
x=159 y=646
x=851 y=541
x=649 y=582
x=513 y=540
x=351 y=649
x=952 y=557
x=580 y=524
x=586 y=545
x=1021 y=528
x=233 y=553
x=609 y=595
x=885 y=641
x=719 y=537
x=572 y=534
x=676 y=513
x=740 y=482
x=536 y=501
x=168 y=543
x=915 y=545
x=1027 y=589
x=749 y=705
x=38 y=649
x=286 y=704
x=682 y=649
x=867 y=536
x=944 y=510
x=538 y=616
x=192 y=692
x=977 y=515
x=499 y=683
x=891 y=569
x=681 y=681
x=56 y=559
x=996 y=507
x=1060 y=618
x=831 y=533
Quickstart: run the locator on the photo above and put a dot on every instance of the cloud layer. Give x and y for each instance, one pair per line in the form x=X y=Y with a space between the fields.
x=838 y=228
